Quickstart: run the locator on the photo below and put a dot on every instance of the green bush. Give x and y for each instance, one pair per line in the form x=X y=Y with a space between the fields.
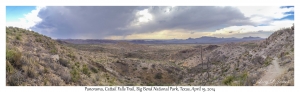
x=158 y=76
x=46 y=70
x=14 y=57
x=53 y=51
x=191 y=80
x=86 y=70
x=75 y=76
x=71 y=55
x=18 y=37
x=228 y=80
x=268 y=61
x=241 y=79
x=64 y=62
x=77 y=65
x=38 y=39
x=9 y=68
x=145 y=68
x=31 y=72
x=94 y=69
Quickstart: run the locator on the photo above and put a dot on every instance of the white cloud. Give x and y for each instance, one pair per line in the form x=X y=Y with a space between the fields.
x=234 y=31
x=145 y=16
x=29 y=20
x=142 y=17
x=262 y=14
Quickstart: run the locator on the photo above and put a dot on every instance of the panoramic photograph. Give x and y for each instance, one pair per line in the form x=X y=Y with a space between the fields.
x=149 y=46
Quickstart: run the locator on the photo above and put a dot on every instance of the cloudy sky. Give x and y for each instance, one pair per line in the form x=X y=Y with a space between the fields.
x=150 y=22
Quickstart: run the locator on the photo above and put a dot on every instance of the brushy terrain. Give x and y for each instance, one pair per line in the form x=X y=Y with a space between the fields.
x=34 y=59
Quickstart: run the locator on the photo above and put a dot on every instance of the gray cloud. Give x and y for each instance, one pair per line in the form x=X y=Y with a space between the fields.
x=103 y=21
x=76 y=22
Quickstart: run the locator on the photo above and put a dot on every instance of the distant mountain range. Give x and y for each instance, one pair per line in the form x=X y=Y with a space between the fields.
x=201 y=40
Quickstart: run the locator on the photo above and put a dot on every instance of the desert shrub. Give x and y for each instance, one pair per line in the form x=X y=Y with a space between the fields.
x=228 y=80
x=236 y=69
x=64 y=75
x=94 y=69
x=30 y=72
x=64 y=62
x=86 y=70
x=268 y=61
x=53 y=66
x=77 y=65
x=145 y=68
x=14 y=57
x=9 y=68
x=35 y=34
x=15 y=79
x=111 y=81
x=53 y=50
x=8 y=31
x=191 y=80
x=71 y=55
x=18 y=37
x=134 y=69
x=240 y=79
x=38 y=39
x=56 y=81
x=158 y=76
x=75 y=76
x=46 y=70
x=258 y=60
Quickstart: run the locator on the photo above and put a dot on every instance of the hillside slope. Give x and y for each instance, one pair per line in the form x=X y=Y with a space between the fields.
x=34 y=59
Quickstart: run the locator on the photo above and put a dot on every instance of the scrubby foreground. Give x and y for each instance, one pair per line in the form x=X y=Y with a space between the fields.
x=34 y=59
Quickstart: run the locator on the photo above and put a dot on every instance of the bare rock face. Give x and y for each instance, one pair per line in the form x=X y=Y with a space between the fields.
x=55 y=58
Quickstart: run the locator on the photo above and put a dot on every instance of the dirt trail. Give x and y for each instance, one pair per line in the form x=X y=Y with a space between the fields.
x=271 y=73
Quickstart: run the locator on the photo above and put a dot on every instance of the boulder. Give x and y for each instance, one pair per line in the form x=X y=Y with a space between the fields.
x=55 y=57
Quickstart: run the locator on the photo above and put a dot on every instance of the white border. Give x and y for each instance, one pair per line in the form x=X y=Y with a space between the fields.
x=143 y=3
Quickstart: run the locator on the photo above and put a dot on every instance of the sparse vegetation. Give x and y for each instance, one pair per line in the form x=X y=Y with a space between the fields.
x=64 y=62
x=9 y=68
x=15 y=79
x=239 y=80
x=75 y=76
x=38 y=39
x=268 y=61
x=94 y=69
x=126 y=63
x=30 y=72
x=86 y=70
x=71 y=55
x=228 y=80
x=14 y=57
x=18 y=37
x=158 y=76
